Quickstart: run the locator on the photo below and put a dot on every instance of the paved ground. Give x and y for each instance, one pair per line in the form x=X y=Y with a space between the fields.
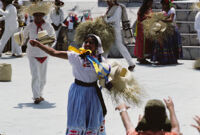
x=19 y=116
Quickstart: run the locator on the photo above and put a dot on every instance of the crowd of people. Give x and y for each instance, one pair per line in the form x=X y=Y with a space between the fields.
x=86 y=109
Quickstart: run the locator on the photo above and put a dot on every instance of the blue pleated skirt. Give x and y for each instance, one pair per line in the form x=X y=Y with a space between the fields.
x=84 y=112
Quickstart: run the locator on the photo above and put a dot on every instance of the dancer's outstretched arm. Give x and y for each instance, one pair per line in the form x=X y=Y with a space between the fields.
x=50 y=51
x=174 y=121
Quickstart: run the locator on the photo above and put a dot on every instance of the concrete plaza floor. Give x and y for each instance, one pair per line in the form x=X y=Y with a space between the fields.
x=19 y=116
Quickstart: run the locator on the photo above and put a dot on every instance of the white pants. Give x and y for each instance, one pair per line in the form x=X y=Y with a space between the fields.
x=122 y=49
x=38 y=72
x=16 y=49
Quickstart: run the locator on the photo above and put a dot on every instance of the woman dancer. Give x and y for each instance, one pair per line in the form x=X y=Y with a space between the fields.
x=86 y=109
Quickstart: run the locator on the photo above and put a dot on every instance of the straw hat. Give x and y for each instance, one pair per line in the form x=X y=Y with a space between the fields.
x=38 y=7
x=44 y=38
x=158 y=27
x=125 y=87
x=5 y=72
x=59 y=3
x=197 y=64
x=19 y=38
x=196 y=6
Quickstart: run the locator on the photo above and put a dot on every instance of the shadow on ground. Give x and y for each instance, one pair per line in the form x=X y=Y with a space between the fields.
x=42 y=105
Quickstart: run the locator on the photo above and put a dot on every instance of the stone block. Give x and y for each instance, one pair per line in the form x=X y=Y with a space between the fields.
x=181 y=5
x=182 y=15
x=191 y=26
x=185 y=40
x=191 y=16
x=184 y=27
x=191 y=52
x=194 y=40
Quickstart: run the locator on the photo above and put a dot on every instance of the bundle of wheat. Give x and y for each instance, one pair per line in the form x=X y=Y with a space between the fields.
x=98 y=27
x=155 y=28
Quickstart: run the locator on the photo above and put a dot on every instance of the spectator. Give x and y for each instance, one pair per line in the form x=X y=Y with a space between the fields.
x=11 y=26
x=154 y=121
x=57 y=17
x=143 y=47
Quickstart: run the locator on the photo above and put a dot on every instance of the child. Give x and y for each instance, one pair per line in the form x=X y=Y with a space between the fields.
x=86 y=109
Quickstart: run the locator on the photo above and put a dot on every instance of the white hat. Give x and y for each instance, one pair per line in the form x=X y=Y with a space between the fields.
x=19 y=38
x=38 y=7
x=44 y=38
x=124 y=84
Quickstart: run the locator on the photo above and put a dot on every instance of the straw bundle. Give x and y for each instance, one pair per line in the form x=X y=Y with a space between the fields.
x=98 y=27
x=156 y=29
x=125 y=87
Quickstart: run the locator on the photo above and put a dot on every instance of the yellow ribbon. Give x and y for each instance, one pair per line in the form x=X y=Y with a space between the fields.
x=136 y=29
x=81 y=51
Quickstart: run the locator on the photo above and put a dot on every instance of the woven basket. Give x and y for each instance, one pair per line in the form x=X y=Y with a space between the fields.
x=5 y=72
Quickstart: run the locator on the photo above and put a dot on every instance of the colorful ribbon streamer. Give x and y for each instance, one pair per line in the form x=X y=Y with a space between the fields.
x=93 y=61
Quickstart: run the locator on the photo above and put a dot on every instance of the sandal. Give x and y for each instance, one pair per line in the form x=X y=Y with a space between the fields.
x=131 y=68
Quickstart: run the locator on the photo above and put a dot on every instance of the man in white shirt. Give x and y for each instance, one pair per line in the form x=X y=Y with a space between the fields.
x=57 y=17
x=37 y=58
x=11 y=26
x=113 y=17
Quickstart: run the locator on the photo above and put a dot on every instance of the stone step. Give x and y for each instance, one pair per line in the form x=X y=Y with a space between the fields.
x=186 y=26
x=189 y=52
x=177 y=4
x=183 y=14
x=189 y=39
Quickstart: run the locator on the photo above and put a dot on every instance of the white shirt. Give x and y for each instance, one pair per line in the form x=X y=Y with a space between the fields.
x=82 y=69
x=115 y=19
x=31 y=32
x=10 y=17
x=57 y=18
x=172 y=11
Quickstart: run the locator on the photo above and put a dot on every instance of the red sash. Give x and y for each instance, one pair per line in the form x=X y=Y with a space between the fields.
x=41 y=59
